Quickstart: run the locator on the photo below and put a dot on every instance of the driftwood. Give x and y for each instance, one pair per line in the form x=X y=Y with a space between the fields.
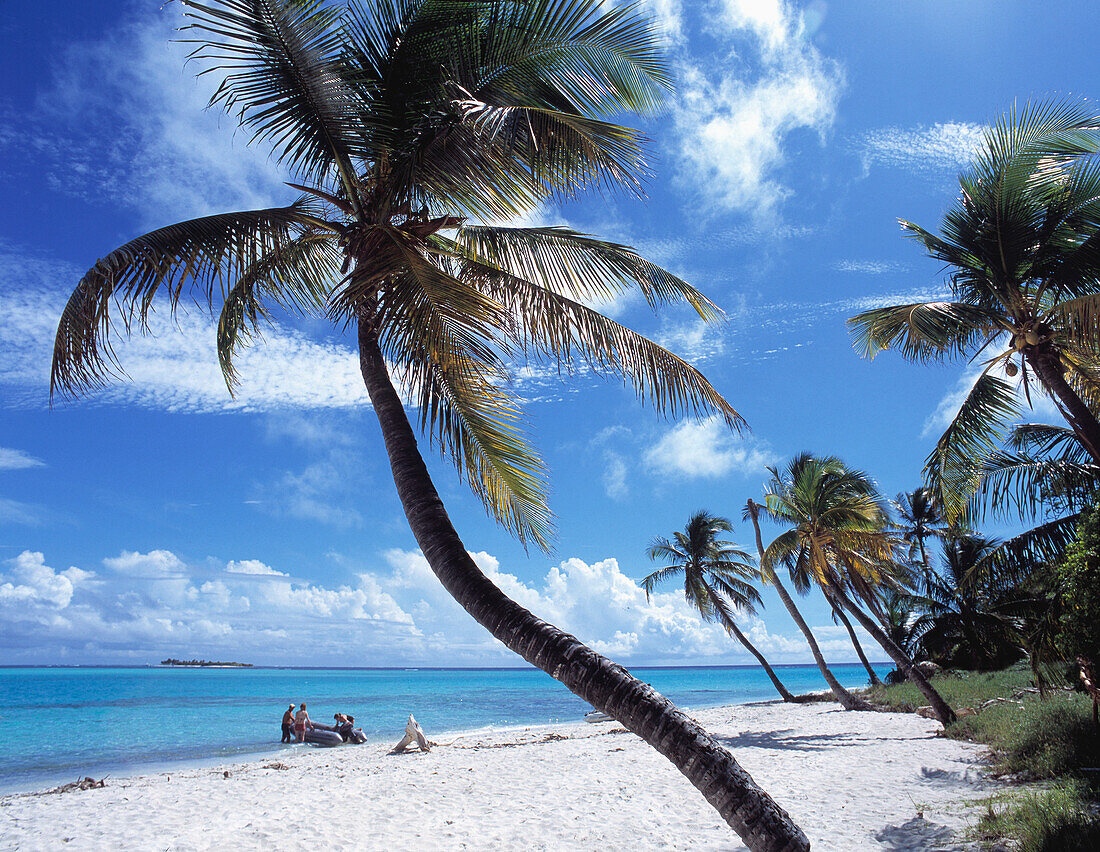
x=85 y=783
x=412 y=732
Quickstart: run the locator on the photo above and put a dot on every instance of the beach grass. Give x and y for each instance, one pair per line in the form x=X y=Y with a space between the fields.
x=1051 y=740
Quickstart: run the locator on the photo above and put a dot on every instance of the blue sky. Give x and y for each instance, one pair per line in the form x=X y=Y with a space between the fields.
x=163 y=517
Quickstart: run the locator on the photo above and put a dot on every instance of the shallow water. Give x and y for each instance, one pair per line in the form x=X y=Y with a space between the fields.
x=62 y=723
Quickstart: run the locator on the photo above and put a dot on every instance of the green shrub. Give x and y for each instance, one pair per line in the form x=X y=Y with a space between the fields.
x=1054 y=820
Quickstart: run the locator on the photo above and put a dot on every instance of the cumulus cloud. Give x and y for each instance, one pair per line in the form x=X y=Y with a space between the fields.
x=942 y=147
x=252 y=566
x=707 y=449
x=732 y=124
x=395 y=613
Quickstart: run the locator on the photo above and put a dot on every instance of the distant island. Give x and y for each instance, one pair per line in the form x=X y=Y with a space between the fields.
x=172 y=661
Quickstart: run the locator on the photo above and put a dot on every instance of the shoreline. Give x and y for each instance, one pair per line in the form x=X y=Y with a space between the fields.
x=851 y=781
x=273 y=751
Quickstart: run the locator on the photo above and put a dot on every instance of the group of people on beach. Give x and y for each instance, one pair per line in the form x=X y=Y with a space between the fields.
x=295 y=725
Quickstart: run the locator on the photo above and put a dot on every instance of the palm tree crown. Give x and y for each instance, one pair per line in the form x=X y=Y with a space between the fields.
x=1022 y=243
x=715 y=573
x=406 y=121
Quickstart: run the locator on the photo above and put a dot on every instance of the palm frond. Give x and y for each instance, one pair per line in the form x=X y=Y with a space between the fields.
x=280 y=70
x=953 y=468
x=930 y=331
x=213 y=252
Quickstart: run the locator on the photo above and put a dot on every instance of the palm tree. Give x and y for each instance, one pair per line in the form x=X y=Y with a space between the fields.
x=962 y=624
x=838 y=539
x=716 y=578
x=899 y=621
x=918 y=520
x=403 y=121
x=1021 y=243
x=767 y=571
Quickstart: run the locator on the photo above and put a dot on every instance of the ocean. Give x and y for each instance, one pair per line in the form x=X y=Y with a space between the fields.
x=63 y=723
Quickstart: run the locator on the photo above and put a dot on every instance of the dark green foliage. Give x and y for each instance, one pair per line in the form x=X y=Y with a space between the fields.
x=1079 y=591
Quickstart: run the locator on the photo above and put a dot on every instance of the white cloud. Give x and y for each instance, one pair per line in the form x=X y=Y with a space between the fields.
x=732 y=125
x=16 y=512
x=155 y=563
x=695 y=342
x=707 y=449
x=614 y=476
x=252 y=566
x=17 y=459
x=941 y=147
x=168 y=157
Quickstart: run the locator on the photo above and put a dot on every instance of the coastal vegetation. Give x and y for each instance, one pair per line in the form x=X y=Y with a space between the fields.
x=405 y=123
x=172 y=661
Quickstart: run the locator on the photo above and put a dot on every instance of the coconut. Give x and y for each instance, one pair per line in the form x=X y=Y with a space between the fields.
x=1032 y=338
x=1019 y=341
x=1011 y=369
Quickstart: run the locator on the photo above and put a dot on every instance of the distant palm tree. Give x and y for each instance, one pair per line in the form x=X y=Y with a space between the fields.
x=838 y=539
x=899 y=621
x=918 y=520
x=963 y=624
x=716 y=578
x=767 y=571
x=404 y=121
x=1021 y=245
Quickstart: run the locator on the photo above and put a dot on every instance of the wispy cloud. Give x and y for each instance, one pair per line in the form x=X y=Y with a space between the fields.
x=731 y=125
x=869 y=267
x=942 y=147
x=17 y=459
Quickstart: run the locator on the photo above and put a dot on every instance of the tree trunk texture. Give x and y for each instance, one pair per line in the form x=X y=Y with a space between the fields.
x=744 y=640
x=1047 y=365
x=846 y=699
x=943 y=712
x=855 y=642
x=760 y=822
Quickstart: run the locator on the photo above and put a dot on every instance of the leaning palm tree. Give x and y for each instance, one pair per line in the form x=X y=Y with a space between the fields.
x=404 y=122
x=838 y=538
x=716 y=578
x=768 y=573
x=1021 y=244
x=839 y=616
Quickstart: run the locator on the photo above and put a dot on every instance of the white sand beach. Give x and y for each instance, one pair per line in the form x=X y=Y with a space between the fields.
x=852 y=781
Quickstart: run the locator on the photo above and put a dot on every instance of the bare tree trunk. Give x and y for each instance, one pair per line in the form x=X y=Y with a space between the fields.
x=855 y=642
x=846 y=699
x=744 y=640
x=943 y=712
x=762 y=825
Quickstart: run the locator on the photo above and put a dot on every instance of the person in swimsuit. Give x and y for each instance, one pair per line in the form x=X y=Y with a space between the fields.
x=288 y=724
x=301 y=723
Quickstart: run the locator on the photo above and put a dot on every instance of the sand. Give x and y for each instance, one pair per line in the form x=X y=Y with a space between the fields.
x=852 y=781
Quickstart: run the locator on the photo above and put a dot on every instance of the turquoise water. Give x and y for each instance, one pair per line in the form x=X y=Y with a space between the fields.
x=61 y=723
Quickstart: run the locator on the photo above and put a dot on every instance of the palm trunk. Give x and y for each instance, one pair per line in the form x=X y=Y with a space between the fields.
x=744 y=640
x=943 y=712
x=855 y=642
x=1044 y=360
x=846 y=699
x=762 y=824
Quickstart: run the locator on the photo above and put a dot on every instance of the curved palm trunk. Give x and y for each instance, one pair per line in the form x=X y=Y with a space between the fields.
x=855 y=642
x=846 y=699
x=943 y=712
x=744 y=640
x=762 y=824
x=1048 y=366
